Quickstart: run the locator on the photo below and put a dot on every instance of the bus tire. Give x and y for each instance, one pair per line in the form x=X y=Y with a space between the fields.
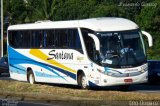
x=82 y=81
x=31 y=78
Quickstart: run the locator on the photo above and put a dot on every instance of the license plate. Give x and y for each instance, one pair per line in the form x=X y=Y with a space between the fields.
x=128 y=80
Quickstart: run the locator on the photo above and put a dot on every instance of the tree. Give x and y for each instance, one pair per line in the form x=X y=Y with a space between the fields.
x=75 y=9
x=17 y=12
x=41 y=9
x=149 y=20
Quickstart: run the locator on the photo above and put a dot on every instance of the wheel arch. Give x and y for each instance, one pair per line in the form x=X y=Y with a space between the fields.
x=29 y=69
x=80 y=71
x=79 y=74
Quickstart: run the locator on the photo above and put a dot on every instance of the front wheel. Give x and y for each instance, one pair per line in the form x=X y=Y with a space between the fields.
x=31 y=78
x=82 y=81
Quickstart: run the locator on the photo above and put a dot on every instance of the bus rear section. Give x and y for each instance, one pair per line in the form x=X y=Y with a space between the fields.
x=49 y=56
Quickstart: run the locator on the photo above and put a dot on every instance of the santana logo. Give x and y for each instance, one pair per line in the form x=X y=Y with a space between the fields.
x=61 y=55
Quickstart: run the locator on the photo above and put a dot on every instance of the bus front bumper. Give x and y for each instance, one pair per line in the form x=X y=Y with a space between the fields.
x=106 y=80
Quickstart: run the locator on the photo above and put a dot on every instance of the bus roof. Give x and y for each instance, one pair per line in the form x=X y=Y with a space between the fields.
x=96 y=24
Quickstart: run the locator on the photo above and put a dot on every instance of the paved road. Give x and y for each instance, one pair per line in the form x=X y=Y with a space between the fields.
x=145 y=88
x=5 y=76
x=10 y=102
x=141 y=88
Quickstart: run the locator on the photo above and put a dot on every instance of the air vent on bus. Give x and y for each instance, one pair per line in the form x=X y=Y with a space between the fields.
x=43 y=21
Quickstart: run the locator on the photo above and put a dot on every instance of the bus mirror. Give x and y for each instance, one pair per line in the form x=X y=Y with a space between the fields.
x=150 y=40
x=96 y=41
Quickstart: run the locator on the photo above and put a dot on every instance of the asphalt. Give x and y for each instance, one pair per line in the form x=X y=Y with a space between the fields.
x=143 y=88
x=11 y=102
x=18 y=101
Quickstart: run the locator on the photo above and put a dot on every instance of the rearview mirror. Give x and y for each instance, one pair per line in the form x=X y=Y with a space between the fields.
x=96 y=41
x=150 y=40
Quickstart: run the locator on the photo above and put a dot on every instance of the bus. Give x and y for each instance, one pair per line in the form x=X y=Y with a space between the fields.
x=95 y=52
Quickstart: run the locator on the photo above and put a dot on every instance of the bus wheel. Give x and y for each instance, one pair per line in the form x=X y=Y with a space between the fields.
x=31 y=78
x=82 y=81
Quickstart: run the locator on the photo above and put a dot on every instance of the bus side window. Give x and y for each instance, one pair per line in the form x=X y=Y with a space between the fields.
x=11 y=40
x=25 y=36
x=56 y=40
x=90 y=45
x=62 y=38
x=37 y=39
x=74 y=41
x=41 y=40
x=50 y=39
x=44 y=38
x=78 y=42
x=15 y=39
x=33 y=39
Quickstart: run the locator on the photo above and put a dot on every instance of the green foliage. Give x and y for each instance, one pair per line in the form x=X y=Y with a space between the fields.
x=149 y=20
x=147 y=16
x=105 y=11
x=44 y=10
x=74 y=9
x=17 y=11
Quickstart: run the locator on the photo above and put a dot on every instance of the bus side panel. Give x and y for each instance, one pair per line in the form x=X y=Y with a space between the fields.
x=63 y=62
x=44 y=66
x=16 y=69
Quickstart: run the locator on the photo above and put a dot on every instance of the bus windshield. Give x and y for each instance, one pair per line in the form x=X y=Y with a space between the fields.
x=123 y=49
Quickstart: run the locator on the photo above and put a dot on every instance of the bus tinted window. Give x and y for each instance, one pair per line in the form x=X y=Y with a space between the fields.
x=15 y=39
x=50 y=36
x=89 y=43
x=63 y=39
x=26 y=39
x=53 y=38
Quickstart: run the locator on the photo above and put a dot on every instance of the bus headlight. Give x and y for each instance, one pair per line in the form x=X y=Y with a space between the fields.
x=144 y=69
x=105 y=72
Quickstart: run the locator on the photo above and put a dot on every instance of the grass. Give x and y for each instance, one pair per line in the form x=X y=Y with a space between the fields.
x=44 y=91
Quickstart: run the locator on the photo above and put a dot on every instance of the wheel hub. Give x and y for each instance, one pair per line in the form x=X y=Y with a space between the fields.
x=84 y=82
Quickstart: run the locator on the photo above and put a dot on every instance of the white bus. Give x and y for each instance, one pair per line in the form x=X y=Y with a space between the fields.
x=89 y=52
